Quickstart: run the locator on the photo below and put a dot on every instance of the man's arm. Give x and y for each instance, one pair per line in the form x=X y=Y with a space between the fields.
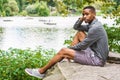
x=78 y=26
x=93 y=36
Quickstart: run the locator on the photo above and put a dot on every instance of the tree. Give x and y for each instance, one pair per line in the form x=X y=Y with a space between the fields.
x=112 y=8
x=20 y=4
x=8 y=7
x=43 y=9
x=61 y=7
x=12 y=4
x=51 y=3
x=39 y=8
x=3 y=5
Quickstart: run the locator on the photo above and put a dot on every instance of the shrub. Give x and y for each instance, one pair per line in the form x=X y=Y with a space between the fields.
x=43 y=9
x=14 y=61
x=12 y=8
x=39 y=8
x=113 y=38
x=24 y=13
x=31 y=9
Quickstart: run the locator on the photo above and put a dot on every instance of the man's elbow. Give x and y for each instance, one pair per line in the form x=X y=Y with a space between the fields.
x=76 y=27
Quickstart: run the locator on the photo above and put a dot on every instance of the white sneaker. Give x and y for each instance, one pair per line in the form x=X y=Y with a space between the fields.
x=35 y=73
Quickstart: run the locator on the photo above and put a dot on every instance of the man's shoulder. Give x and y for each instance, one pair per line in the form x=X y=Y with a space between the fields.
x=98 y=22
x=96 y=27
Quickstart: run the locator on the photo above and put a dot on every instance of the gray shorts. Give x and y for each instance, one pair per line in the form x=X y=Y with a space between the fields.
x=87 y=57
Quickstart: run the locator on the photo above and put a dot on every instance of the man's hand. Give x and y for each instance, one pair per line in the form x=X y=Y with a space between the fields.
x=81 y=18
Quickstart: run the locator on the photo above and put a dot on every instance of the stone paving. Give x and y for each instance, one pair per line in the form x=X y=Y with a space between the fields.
x=74 y=71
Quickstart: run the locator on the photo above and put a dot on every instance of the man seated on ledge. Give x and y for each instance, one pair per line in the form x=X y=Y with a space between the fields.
x=87 y=49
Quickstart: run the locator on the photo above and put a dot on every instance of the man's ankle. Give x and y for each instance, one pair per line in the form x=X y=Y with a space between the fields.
x=41 y=71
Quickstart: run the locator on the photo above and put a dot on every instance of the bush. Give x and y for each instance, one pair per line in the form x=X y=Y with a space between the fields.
x=43 y=9
x=14 y=61
x=12 y=8
x=39 y=8
x=31 y=9
x=24 y=13
x=113 y=38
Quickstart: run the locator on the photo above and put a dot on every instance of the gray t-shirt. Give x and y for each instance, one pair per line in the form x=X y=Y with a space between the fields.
x=96 y=38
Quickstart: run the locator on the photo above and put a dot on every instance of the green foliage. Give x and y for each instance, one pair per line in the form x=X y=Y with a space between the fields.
x=61 y=8
x=39 y=8
x=3 y=5
x=113 y=38
x=51 y=3
x=111 y=8
x=14 y=61
x=114 y=8
x=24 y=13
x=12 y=4
x=43 y=9
x=20 y=4
x=31 y=9
x=68 y=41
x=8 y=8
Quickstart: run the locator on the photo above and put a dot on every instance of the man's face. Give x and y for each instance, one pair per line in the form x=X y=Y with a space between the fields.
x=88 y=15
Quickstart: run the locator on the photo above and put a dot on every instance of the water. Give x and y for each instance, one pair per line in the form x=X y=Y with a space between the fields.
x=33 y=37
x=31 y=32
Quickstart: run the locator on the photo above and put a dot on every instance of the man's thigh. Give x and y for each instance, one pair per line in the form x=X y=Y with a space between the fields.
x=79 y=36
x=87 y=57
x=84 y=57
x=68 y=53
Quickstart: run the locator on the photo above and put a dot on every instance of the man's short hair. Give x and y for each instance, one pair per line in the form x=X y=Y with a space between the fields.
x=90 y=7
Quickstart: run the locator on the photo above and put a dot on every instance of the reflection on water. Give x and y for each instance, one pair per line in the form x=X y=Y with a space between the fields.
x=24 y=37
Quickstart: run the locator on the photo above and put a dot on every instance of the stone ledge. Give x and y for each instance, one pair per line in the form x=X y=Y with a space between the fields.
x=114 y=58
x=54 y=74
x=74 y=71
x=113 y=54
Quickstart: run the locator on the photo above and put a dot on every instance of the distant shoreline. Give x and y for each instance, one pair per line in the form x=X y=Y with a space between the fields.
x=50 y=21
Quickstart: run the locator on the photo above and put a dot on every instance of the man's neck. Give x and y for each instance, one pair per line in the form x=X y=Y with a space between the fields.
x=91 y=21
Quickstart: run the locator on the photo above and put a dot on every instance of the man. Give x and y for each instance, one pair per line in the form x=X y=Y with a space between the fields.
x=90 y=49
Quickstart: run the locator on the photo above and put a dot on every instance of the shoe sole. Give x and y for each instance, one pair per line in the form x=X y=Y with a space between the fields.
x=28 y=72
x=33 y=75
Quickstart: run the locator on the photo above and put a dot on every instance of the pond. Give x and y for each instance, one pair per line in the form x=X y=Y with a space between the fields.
x=31 y=32
x=33 y=37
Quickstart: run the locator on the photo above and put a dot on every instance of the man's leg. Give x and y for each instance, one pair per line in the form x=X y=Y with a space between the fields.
x=79 y=36
x=63 y=53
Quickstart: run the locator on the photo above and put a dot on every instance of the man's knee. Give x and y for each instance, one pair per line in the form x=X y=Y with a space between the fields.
x=63 y=50
x=66 y=53
x=81 y=33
